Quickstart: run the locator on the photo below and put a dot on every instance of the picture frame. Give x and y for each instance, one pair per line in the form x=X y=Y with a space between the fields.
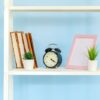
x=78 y=57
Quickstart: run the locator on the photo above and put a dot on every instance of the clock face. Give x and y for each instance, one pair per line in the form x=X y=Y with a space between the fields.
x=51 y=59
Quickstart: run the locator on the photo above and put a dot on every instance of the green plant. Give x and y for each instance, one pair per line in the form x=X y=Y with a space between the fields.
x=92 y=53
x=28 y=55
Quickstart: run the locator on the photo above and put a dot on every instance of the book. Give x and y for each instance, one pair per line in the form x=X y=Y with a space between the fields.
x=31 y=48
x=24 y=38
x=21 y=45
x=16 y=49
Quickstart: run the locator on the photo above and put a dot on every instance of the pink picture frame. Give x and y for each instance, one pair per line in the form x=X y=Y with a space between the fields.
x=77 y=58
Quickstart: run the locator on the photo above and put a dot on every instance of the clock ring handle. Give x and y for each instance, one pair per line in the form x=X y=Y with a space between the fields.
x=53 y=44
x=56 y=47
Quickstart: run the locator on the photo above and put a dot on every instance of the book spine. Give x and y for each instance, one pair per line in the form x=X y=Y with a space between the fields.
x=31 y=40
x=25 y=43
x=15 y=49
x=31 y=48
x=19 y=46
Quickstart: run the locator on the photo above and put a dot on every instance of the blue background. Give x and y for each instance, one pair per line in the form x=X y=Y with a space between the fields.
x=57 y=28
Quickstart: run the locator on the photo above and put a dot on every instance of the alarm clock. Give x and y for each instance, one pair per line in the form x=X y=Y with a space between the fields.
x=52 y=57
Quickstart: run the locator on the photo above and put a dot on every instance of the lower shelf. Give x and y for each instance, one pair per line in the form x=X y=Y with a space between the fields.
x=58 y=71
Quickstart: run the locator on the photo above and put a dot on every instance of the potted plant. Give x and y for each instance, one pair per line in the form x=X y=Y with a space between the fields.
x=28 y=61
x=92 y=55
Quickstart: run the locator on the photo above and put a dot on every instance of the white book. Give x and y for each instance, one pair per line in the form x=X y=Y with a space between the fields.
x=25 y=43
x=21 y=45
x=16 y=50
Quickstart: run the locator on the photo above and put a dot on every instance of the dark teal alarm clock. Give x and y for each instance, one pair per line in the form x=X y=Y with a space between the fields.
x=52 y=57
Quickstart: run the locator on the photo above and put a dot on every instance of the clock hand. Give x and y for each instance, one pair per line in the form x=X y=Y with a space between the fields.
x=52 y=60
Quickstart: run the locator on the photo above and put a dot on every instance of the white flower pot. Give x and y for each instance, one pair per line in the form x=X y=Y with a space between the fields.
x=28 y=64
x=92 y=65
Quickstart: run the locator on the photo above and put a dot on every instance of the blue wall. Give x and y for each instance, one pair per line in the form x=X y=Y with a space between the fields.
x=59 y=28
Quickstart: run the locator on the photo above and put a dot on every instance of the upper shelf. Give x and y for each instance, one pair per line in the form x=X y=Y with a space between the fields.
x=58 y=71
x=55 y=8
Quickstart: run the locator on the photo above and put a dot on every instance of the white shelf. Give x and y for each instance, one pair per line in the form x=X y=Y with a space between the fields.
x=56 y=8
x=52 y=72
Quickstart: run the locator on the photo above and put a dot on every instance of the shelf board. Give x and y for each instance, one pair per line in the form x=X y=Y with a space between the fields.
x=56 y=8
x=59 y=71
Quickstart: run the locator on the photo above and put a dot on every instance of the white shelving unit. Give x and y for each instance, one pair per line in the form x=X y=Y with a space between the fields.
x=8 y=26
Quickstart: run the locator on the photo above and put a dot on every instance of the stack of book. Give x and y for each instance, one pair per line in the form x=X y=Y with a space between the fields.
x=22 y=43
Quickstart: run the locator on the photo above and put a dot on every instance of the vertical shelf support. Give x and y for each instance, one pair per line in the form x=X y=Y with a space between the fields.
x=8 y=80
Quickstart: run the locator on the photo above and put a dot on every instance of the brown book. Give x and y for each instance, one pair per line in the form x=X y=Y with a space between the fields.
x=31 y=48
x=16 y=48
